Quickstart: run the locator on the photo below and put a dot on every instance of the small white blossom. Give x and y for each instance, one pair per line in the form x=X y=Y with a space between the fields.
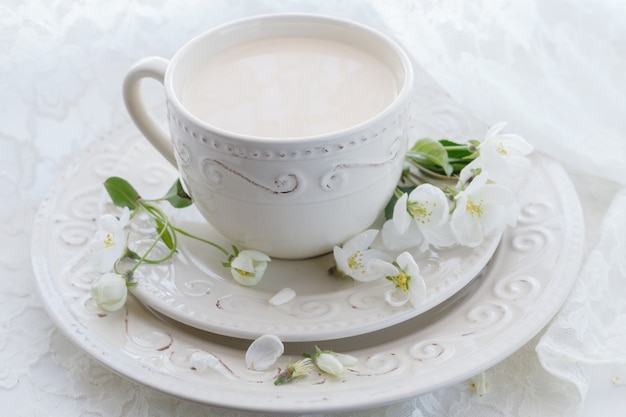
x=333 y=363
x=329 y=364
x=249 y=266
x=409 y=285
x=109 y=243
x=429 y=208
x=481 y=209
x=503 y=155
x=353 y=257
x=264 y=352
x=419 y=218
x=399 y=232
x=109 y=291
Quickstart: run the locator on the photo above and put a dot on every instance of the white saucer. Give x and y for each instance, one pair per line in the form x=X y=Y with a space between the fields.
x=528 y=279
x=196 y=289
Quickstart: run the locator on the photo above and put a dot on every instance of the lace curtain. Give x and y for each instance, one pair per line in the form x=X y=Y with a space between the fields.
x=554 y=69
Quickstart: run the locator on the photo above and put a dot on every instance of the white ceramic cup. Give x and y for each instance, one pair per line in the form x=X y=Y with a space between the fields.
x=292 y=197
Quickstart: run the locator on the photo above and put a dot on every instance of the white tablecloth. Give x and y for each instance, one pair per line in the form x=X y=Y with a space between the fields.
x=554 y=69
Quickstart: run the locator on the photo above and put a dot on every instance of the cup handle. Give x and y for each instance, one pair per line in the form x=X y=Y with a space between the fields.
x=151 y=67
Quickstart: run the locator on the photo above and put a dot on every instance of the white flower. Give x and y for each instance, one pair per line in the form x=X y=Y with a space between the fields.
x=109 y=243
x=333 y=363
x=109 y=291
x=409 y=285
x=353 y=257
x=249 y=266
x=264 y=352
x=399 y=232
x=429 y=208
x=481 y=209
x=503 y=155
x=419 y=218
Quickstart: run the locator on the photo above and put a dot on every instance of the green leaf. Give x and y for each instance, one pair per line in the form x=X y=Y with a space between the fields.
x=122 y=193
x=434 y=153
x=389 y=207
x=456 y=153
x=166 y=237
x=177 y=196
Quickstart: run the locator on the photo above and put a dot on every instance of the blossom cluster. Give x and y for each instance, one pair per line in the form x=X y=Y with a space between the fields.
x=480 y=204
x=110 y=245
x=264 y=351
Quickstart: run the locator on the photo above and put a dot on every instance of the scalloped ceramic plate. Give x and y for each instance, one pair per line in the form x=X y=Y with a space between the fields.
x=198 y=291
x=528 y=279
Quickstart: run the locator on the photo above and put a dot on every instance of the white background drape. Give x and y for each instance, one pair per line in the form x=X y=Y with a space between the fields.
x=555 y=70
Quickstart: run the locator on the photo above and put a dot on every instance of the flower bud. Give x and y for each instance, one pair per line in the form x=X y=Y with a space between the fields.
x=329 y=363
x=109 y=291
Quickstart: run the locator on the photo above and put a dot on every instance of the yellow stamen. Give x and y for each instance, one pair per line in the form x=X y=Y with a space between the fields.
x=420 y=212
x=108 y=241
x=244 y=273
x=474 y=209
x=401 y=281
x=501 y=149
x=355 y=262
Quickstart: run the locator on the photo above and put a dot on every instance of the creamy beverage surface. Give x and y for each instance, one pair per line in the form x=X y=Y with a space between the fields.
x=289 y=87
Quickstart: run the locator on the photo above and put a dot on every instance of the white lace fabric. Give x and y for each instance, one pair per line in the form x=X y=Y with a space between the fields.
x=555 y=70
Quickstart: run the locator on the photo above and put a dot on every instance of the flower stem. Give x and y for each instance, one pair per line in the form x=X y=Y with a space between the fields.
x=208 y=242
x=144 y=257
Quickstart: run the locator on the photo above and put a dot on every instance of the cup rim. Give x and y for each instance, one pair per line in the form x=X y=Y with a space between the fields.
x=401 y=98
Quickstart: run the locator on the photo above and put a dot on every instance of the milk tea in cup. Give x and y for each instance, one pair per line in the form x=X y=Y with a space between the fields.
x=289 y=87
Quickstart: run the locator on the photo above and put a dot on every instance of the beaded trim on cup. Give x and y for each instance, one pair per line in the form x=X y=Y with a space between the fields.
x=220 y=145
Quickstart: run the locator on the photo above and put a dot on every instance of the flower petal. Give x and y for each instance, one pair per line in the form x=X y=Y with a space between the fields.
x=345 y=359
x=379 y=269
x=397 y=297
x=202 y=360
x=439 y=237
x=465 y=227
x=417 y=291
x=407 y=263
x=401 y=218
x=283 y=296
x=394 y=240
x=264 y=352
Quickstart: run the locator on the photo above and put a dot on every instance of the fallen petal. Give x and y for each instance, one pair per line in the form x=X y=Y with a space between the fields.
x=202 y=360
x=264 y=352
x=283 y=296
